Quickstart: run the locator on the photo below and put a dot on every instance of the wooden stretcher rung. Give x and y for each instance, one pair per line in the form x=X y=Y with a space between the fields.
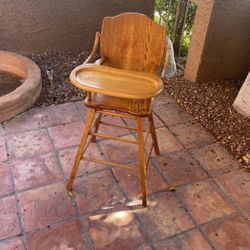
x=113 y=164
x=147 y=133
x=114 y=138
x=120 y=126
x=150 y=152
x=116 y=114
x=117 y=126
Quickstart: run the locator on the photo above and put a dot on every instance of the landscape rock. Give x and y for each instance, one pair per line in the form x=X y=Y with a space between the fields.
x=242 y=101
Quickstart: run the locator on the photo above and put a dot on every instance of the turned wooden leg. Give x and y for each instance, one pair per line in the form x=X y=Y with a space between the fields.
x=142 y=164
x=81 y=148
x=96 y=126
x=153 y=134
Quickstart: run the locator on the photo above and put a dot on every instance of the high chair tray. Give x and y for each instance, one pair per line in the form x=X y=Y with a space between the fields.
x=116 y=82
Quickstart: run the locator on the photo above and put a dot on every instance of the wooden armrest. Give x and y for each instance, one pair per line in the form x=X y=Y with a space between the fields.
x=114 y=82
x=94 y=49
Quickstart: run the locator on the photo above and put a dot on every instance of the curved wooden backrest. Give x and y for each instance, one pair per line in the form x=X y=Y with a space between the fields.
x=132 y=41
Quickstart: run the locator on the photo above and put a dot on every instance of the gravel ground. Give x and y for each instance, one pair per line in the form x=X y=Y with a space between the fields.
x=210 y=103
x=62 y=65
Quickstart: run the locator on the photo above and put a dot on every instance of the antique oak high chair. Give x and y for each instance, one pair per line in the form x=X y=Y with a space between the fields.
x=122 y=83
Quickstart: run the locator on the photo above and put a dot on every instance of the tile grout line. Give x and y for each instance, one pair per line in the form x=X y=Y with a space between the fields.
x=210 y=176
x=44 y=125
x=169 y=129
x=18 y=208
x=168 y=179
x=192 y=148
x=227 y=197
x=51 y=226
x=197 y=121
x=38 y=186
x=199 y=226
x=138 y=222
x=10 y=238
x=110 y=169
x=183 y=204
x=138 y=219
x=185 y=208
x=174 y=236
x=79 y=111
x=157 y=165
x=42 y=120
x=85 y=235
x=196 y=225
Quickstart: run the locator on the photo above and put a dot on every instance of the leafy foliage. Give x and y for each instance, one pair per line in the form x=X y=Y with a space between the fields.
x=165 y=13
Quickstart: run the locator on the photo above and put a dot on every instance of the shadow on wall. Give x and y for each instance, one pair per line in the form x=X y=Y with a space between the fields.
x=43 y=26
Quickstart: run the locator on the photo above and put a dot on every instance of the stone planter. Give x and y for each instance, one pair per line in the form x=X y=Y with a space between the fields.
x=26 y=94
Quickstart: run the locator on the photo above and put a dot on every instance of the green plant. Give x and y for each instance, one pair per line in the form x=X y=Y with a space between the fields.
x=166 y=13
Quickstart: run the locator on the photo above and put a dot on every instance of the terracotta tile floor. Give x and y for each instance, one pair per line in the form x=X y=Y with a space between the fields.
x=208 y=210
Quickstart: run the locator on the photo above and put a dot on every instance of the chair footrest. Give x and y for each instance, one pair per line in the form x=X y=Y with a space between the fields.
x=114 y=138
x=113 y=164
x=118 y=126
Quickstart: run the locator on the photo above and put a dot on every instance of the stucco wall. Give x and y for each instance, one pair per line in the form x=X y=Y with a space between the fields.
x=58 y=25
x=225 y=53
x=200 y=29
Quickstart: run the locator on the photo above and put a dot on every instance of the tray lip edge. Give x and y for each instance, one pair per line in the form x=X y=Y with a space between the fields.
x=76 y=83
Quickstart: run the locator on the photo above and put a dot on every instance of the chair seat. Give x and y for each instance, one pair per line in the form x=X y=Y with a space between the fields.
x=139 y=107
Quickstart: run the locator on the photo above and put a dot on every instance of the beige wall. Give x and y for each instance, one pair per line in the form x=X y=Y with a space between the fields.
x=221 y=47
x=58 y=25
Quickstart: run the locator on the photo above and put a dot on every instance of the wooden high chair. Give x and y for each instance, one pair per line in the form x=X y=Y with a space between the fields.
x=122 y=83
